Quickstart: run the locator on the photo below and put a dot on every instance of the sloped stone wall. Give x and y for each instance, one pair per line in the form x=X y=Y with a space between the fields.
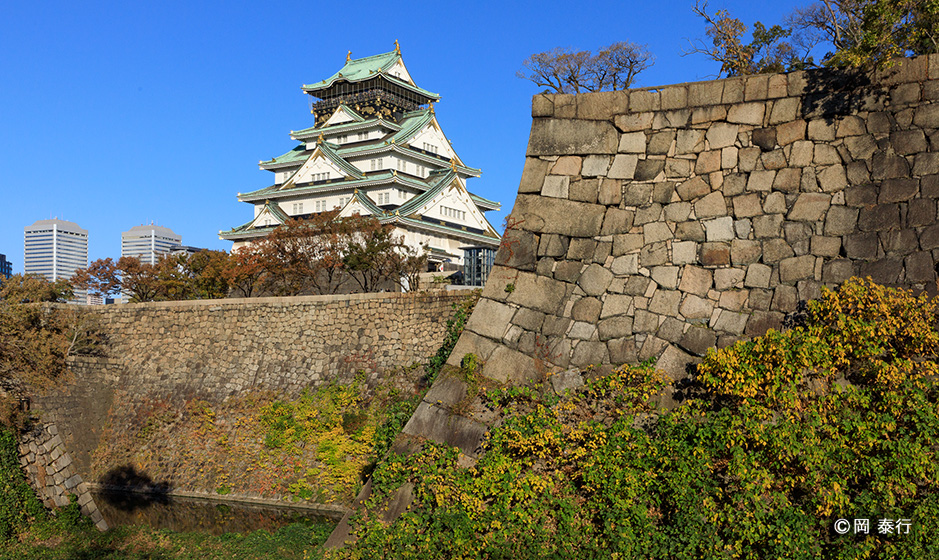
x=658 y=223
x=52 y=474
x=211 y=350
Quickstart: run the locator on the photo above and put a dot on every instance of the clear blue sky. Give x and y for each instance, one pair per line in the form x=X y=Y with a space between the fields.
x=121 y=113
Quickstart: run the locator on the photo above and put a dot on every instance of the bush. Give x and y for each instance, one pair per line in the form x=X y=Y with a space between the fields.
x=834 y=419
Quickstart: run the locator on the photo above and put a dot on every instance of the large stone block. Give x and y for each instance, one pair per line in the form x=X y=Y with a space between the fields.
x=548 y=215
x=882 y=271
x=601 y=105
x=537 y=292
x=920 y=268
x=832 y=178
x=841 y=220
x=533 y=175
x=710 y=206
x=665 y=302
x=794 y=269
x=810 y=207
x=879 y=218
x=693 y=188
x=595 y=280
x=898 y=190
x=574 y=137
x=719 y=229
x=922 y=212
x=714 y=254
x=720 y=135
x=746 y=113
x=863 y=245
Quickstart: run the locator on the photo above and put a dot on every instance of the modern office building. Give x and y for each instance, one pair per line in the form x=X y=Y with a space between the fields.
x=147 y=243
x=376 y=149
x=55 y=249
x=6 y=267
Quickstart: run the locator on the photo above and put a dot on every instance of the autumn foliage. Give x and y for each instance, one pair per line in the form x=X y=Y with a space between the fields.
x=320 y=255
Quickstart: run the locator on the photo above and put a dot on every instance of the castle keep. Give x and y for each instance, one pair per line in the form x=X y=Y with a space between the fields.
x=376 y=149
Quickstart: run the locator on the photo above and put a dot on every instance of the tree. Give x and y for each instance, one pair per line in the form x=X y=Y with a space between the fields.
x=101 y=278
x=565 y=71
x=766 y=52
x=206 y=273
x=862 y=34
x=138 y=279
x=32 y=288
x=244 y=270
x=867 y=34
x=37 y=338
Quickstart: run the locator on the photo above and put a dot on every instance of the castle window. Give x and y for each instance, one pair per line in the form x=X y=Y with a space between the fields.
x=297 y=208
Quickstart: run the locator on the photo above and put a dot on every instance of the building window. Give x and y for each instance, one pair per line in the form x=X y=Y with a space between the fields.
x=430 y=148
x=297 y=208
x=363 y=136
x=317 y=177
x=402 y=165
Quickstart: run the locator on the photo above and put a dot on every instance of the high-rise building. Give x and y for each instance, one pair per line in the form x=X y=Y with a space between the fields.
x=55 y=249
x=147 y=243
x=6 y=267
x=376 y=149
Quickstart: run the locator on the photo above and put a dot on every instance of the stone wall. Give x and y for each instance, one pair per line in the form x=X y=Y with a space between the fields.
x=51 y=473
x=211 y=350
x=660 y=222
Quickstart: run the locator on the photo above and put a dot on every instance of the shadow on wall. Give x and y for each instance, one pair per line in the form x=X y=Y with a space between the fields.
x=146 y=490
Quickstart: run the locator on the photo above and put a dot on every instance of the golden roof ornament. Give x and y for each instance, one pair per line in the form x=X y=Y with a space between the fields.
x=319 y=139
x=397 y=47
x=348 y=56
x=453 y=164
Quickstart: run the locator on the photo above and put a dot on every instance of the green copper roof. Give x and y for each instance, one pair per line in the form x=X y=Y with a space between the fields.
x=275 y=191
x=360 y=69
x=313 y=131
x=299 y=153
x=485 y=201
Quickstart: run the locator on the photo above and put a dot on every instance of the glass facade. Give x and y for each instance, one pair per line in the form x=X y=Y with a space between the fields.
x=477 y=262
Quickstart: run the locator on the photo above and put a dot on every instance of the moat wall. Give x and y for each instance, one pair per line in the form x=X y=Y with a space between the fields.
x=173 y=352
x=660 y=222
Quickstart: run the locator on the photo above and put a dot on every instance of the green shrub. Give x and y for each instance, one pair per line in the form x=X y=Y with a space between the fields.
x=837 y=418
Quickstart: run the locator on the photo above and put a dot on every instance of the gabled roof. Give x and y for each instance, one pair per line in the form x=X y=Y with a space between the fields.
x=360 y=199
x=255 y=230
x=369 y=180
x=361 y=69
x=313 y=131
x=297 y=154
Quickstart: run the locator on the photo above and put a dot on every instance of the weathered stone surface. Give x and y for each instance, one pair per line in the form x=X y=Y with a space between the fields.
x=533 y=175
x=883 y=271
x=693 y=188
x=539 y=293
x=715 y=254
x=590 y=352
x=899 y=242
x=879 y=218
x=694 y=307
x=574 y=137
x=832 y=178
x=796 y=268
x=547 y=215
x=863 y=245
x=908 y=141
x=728 y=279
x=825 y=246
x=711 y=205
x=730 y=321
x=898 y=190
x=492 y=318
x=648 y=169
x=762 y=321
x=697 y=340
x=623 y=167
x=719 y=229
x=920 y=267
x=761 y=181
x=745 y=251
x=921 y=212
x=810 y=207
x=675 y=363
x=632 y=142
x=765 y=138
x=595 y=280
x=720 y=135
x=615 y=327
x=567 y=165
x=758 y=276
x=665 y=302
x=746 y=113
x=841 y=220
